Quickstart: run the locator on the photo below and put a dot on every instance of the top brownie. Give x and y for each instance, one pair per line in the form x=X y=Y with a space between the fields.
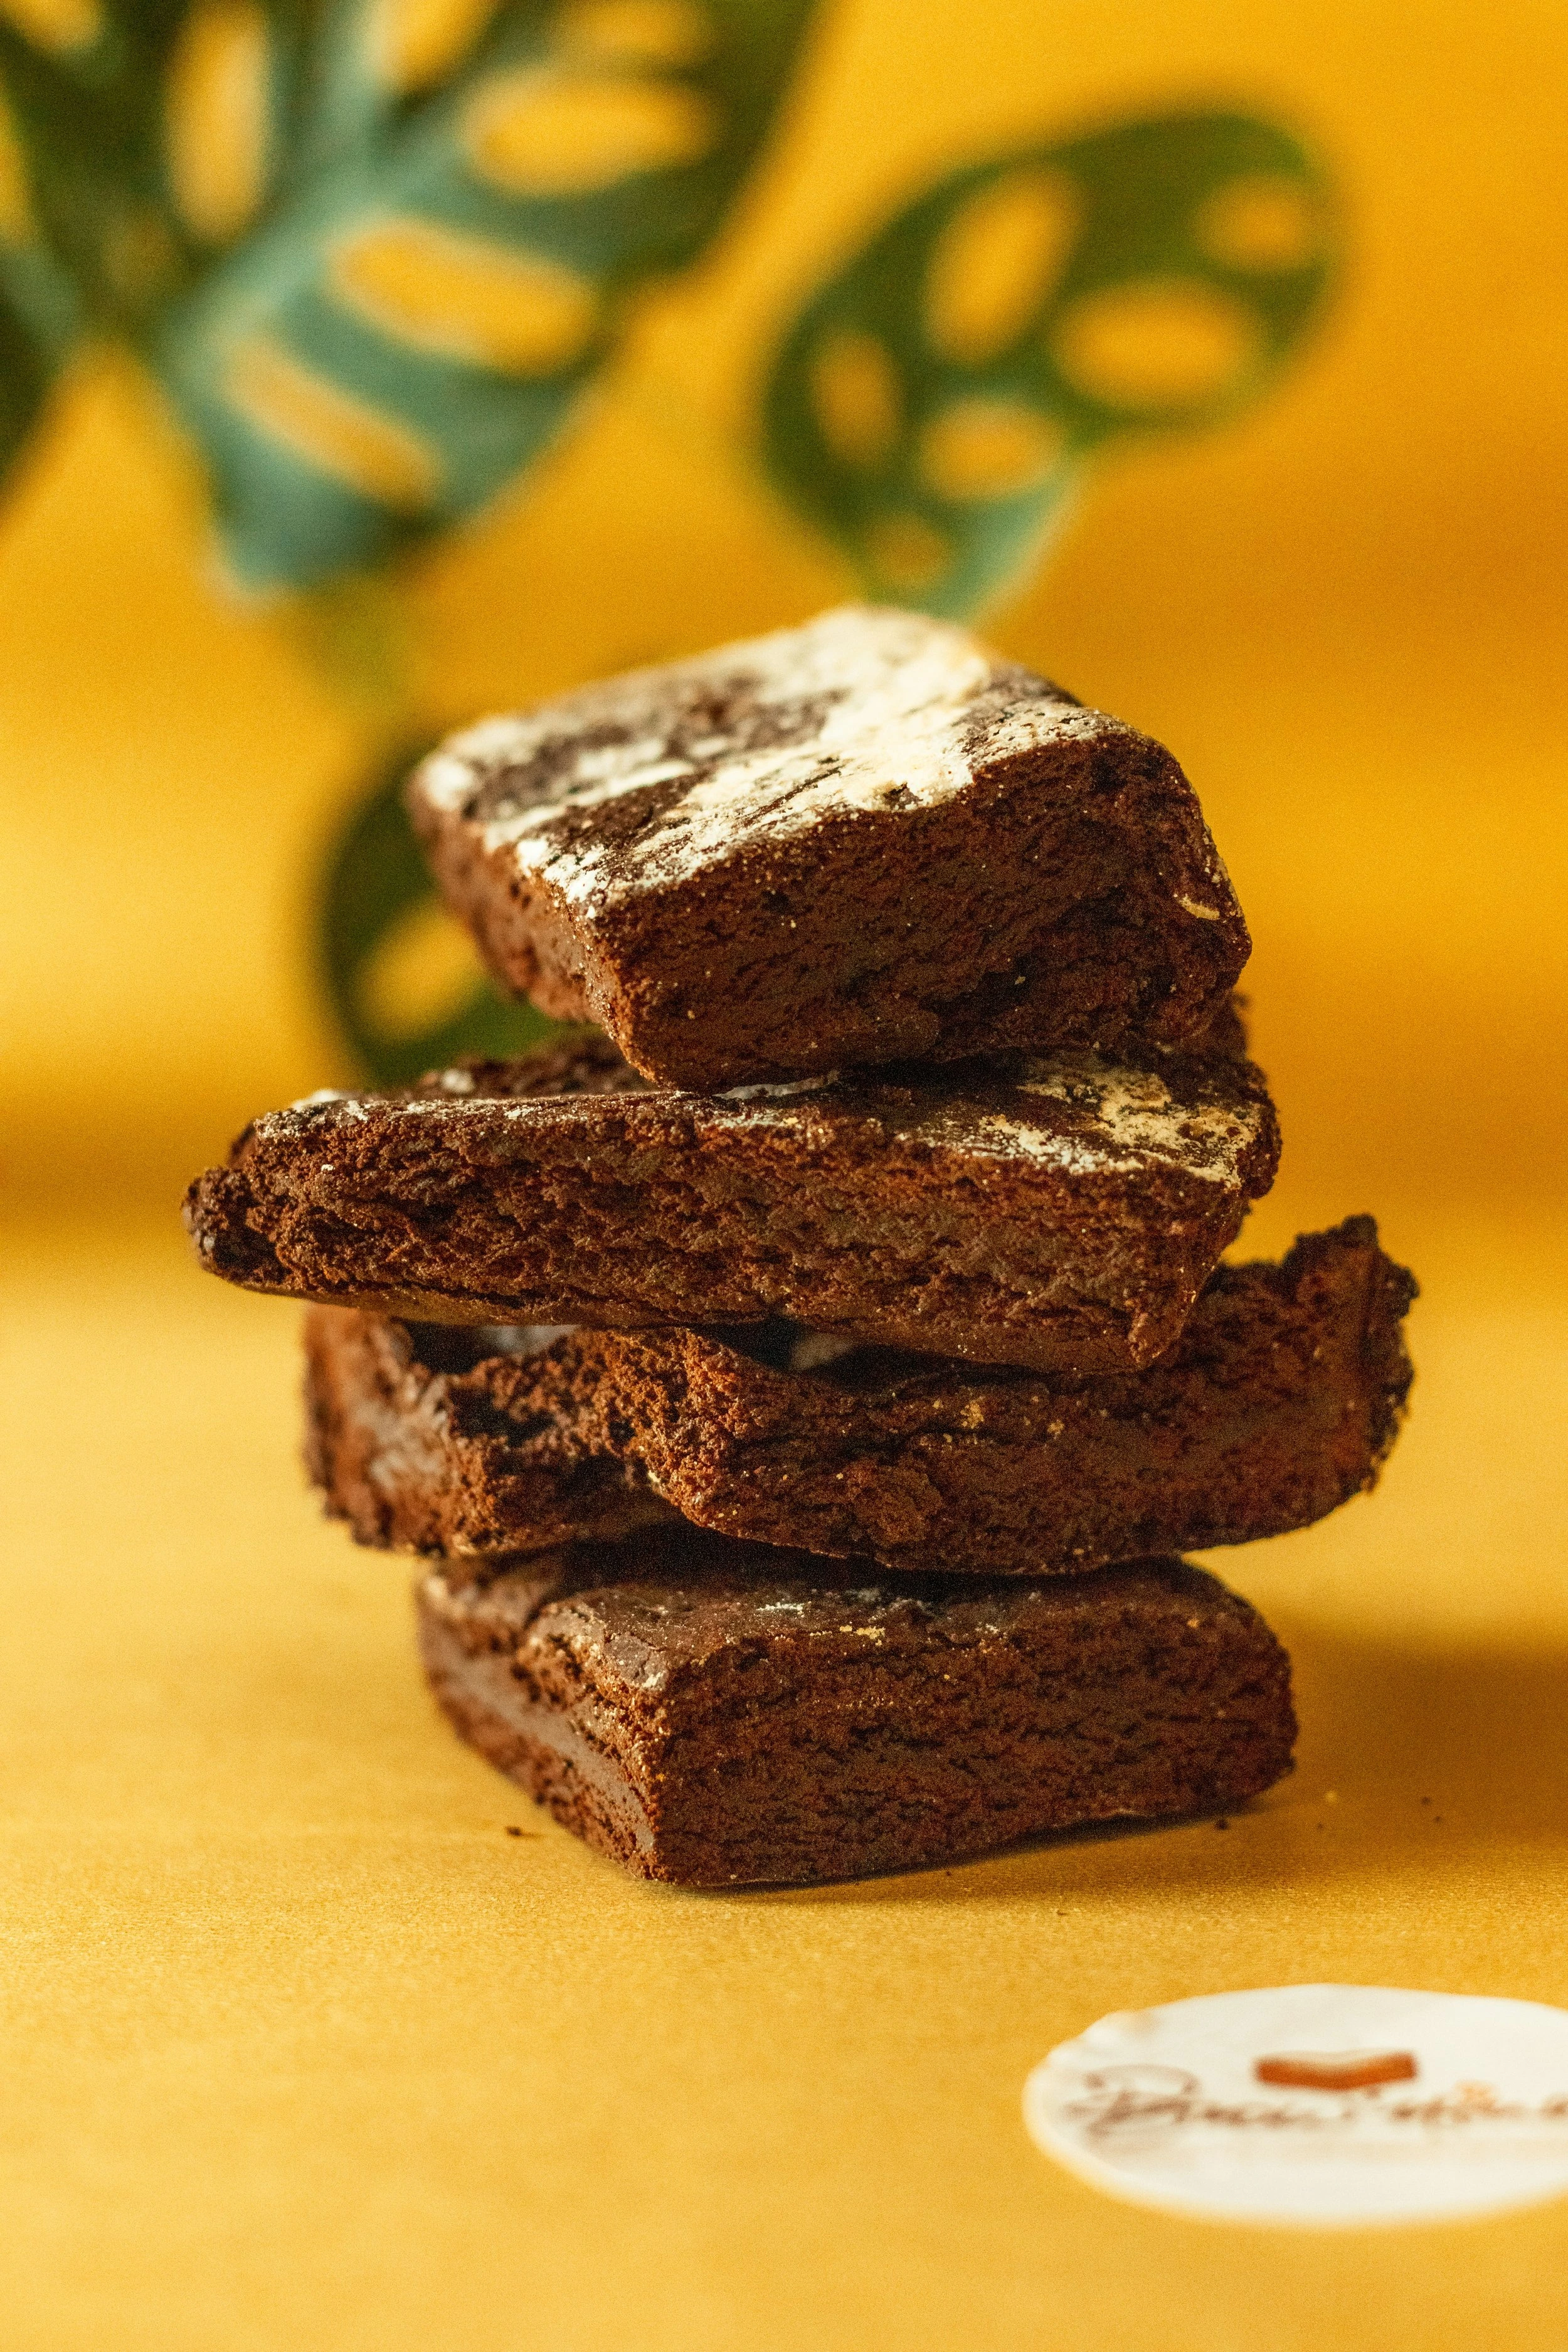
x=866 y=840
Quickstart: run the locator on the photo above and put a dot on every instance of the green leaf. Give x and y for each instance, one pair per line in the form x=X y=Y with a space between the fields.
x=108 y=172
x=90 y=124
x=40 y=313
x=358 y=93
x=45 y=307
x=26 y=375
x=415 y=327
x=935 y=405
x=378 y=902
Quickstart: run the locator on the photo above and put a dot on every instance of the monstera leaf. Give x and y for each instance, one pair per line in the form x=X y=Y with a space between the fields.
x=40 y=308
x=373 y=248
x=84 y=95
x=936 y=402
x=379 y=917
x=413 y=326
x=25 y=378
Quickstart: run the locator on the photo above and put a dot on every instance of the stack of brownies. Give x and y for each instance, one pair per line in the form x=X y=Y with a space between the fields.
x=802 y=1391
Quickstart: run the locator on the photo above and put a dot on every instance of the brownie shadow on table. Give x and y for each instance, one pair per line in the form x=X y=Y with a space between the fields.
x=1418 y=1763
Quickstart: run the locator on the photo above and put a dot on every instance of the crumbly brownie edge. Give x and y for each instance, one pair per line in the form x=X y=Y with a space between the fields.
x=744 y=999
x=415 y=1457
x=535 y=1746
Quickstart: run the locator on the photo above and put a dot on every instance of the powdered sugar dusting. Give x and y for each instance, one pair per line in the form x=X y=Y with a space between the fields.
x=1118 y=1118
x=1074 y=1113
x=1139 y=1118
x=325 y=1098
x=810 y=1350
x=863 y=708
x=522 y=1340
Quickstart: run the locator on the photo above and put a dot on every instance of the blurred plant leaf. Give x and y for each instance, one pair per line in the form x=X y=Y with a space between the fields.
x=407 y=1003
x=88 y=110
x=151 y=133
x=414 y=326
x=40 y=311
x=26 y=375
x=935 y=405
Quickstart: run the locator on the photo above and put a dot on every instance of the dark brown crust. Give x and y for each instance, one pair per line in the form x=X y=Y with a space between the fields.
x=715 y=1716
x=1280 y=1400
x=1006 y=1213
x=1048 y=903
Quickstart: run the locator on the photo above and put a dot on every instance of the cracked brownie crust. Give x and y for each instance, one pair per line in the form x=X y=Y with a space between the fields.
x=1058 y=1214
x=717 y=1717
x=861 y=841
x=1280 y=1400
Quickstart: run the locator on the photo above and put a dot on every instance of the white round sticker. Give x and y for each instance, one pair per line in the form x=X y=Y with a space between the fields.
x=1328 y=2105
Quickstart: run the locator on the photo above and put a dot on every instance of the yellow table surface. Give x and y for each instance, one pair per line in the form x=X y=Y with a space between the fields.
x=306 y=2052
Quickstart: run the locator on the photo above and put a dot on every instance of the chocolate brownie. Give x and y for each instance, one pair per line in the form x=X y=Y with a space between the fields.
x=1059 y=1212
x=1280 y=1400
x=866 y=840
x=716 y=1716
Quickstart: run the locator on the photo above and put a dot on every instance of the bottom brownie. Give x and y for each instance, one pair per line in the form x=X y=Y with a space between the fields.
x=719 y=1713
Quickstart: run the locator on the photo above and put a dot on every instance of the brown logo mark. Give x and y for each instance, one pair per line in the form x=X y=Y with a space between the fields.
x=1336 y=2070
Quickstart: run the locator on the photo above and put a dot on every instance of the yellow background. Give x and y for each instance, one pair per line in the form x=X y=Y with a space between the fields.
x=303 y=2051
